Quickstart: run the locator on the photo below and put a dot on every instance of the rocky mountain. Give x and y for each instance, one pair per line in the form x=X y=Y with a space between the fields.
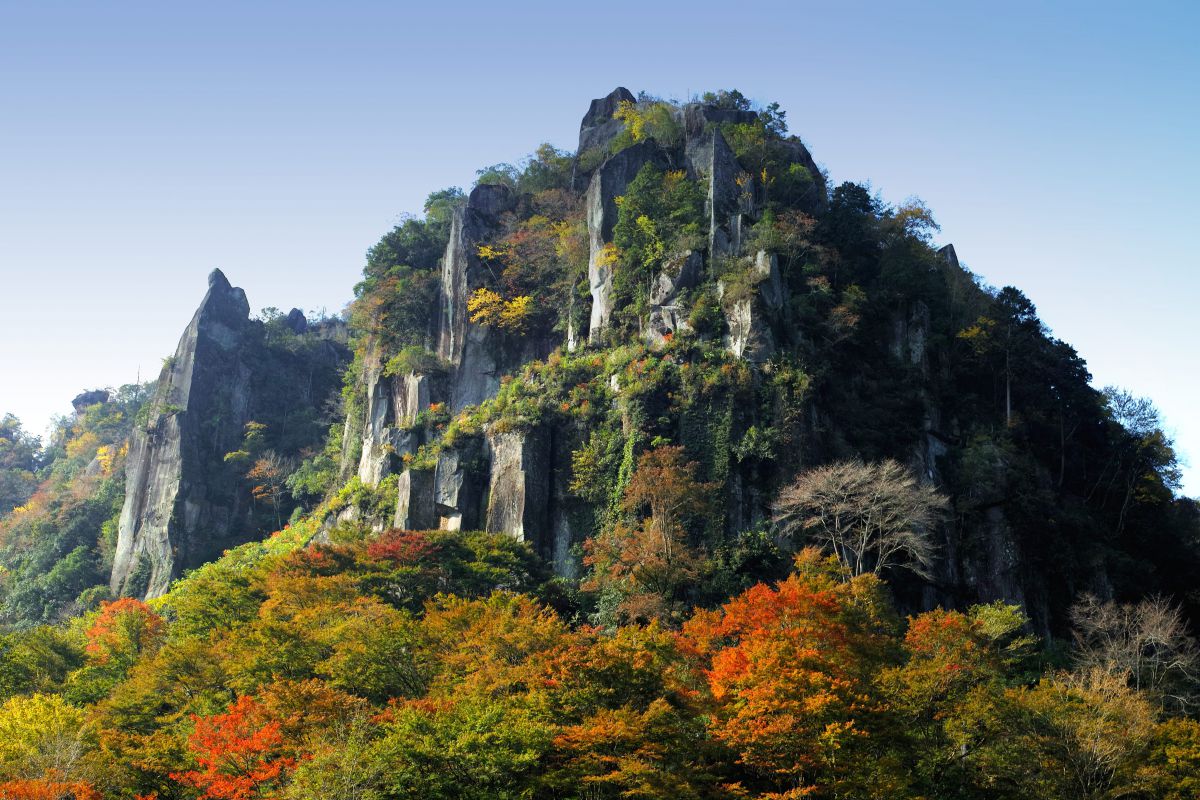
x=767 y=324
x=664 y=468
x=688 y=278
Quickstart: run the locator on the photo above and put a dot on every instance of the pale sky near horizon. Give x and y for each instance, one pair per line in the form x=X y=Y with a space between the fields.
x=143 y=144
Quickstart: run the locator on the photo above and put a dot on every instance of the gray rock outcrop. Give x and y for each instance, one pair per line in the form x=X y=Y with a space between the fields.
x=815 y=198
x=393 y=403
x=462 y=343
x=411 y=394
x=185 y=501
x=598 y=127
x=172 y=513
x=700 y=117
x=750 y=313
x=296 y=321
x=667 y=317
x=456 y=491
x=415 y=508
x=84 y=400
x=729 y=189
x=519 y=485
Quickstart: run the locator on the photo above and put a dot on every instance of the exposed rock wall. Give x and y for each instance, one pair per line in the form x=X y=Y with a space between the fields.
x=185 y=502
x=608 y=183
x=729 y=189
x=471 y=349
x=172 y=513
x=679 y=273
x=457 y=488
x=415 y=509
x=393 y=403
x=750 y=314
x=519 y=485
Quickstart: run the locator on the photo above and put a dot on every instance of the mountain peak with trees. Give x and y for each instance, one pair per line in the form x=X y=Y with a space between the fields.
x=669 y=467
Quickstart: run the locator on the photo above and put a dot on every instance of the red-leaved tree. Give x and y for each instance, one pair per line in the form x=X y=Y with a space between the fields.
x=241 y=754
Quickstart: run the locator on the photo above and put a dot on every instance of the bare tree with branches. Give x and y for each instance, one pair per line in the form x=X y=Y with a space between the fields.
x=871 y=516
x=1147 y=643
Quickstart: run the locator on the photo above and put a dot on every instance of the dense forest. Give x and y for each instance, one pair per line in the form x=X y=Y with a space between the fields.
x=664 y=468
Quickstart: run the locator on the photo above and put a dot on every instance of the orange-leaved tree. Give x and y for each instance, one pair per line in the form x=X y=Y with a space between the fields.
x=649 y=562
x=241 y=754
x=47 y=789
x=632 y=723
x=789 y=671
x=123 y=630
x=956 y=668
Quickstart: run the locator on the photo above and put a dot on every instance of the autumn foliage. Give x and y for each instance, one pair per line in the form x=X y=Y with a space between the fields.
x=401 y=547
x=47 y=790
x=785 y=666
x=123 y=629
x=408 y=664
x=647 y=557
x=240 y=753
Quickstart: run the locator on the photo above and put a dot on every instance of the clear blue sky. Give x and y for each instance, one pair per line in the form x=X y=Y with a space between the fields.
x=143 y=144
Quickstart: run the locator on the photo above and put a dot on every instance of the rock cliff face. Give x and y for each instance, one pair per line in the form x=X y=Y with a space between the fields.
x=519 y=485
x=476 y=354
x=749 y=315
x=667 y=316
x=729 y=189
x=515 y=481
x=393 y=403
x=608 y=183
x=787 y=347
x=184 y=503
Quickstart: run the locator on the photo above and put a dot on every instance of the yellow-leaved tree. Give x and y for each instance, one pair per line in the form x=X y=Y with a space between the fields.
x=43 y=736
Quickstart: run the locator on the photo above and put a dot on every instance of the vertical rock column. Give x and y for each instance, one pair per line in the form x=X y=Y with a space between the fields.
x=459 y=341
x=179 y=505
x=519 y=488
x=711 y=160
x=608 y=183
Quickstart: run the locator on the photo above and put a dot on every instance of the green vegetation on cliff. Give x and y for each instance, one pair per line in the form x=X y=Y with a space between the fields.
x=664 y=469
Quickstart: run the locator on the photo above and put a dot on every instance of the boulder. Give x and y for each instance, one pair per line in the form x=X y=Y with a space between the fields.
x=608 y=183
x=519 y=486
x=598 y=127
x=84 y=400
